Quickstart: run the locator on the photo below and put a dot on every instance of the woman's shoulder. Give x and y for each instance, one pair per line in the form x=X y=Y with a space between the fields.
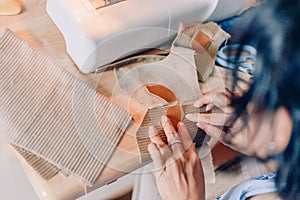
x=266 y=196
x=261 y=185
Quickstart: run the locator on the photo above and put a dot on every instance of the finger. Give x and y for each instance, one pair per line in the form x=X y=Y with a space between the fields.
x=177 y=148
x=217 y=119
x=203 y=100
x=209 y=107
x=174 y=140
x=174 y=166
x=169 y=129
x=213 y=131
x=164 y=149
x=155 y=138
x=220 y=100
x=155 y=155
x=184 y=135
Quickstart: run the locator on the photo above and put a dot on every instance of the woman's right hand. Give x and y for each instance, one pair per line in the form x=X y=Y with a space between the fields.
x=178 y=169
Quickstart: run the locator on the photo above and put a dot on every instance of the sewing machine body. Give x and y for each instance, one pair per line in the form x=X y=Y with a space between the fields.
x=98 y=36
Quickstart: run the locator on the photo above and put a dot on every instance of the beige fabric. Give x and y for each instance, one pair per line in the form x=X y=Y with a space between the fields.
x=153 y=117
x=193 y=50
x=49 y=113
x=205 y=40
x=176 y=72
x=207 y=163
x=215 y=186
x=45 y=169
x=192 y=57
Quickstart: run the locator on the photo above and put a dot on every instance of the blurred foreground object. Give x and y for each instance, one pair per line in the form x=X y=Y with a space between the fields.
x=10 y=7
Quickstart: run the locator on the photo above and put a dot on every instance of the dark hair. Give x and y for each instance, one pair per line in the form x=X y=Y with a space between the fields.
x=273 y=29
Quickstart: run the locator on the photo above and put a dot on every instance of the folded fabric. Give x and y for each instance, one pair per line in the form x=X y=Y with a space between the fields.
x=192 y=58
x=204 y=40
x=49 y=114
x=169 y=86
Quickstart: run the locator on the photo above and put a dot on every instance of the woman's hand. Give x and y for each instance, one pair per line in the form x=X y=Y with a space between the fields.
x=178 y=169
x=254 y=133
x=213 y=123
x=217 y=123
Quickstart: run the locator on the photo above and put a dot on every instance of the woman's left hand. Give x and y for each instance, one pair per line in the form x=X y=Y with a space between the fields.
x=178 y=169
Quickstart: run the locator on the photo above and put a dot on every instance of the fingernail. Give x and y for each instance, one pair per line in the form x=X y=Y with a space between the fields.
x=151 y=147
x=179 y=124
x=209 y=107
x=196 y=104
x=189 y=116
x=151 y=130
x=164 y=118
x=200 y=125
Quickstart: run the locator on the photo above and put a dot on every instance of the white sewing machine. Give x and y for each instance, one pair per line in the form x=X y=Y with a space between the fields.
x=98 y=32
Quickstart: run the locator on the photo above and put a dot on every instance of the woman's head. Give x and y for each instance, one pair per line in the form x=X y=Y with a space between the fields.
x=273 y=29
